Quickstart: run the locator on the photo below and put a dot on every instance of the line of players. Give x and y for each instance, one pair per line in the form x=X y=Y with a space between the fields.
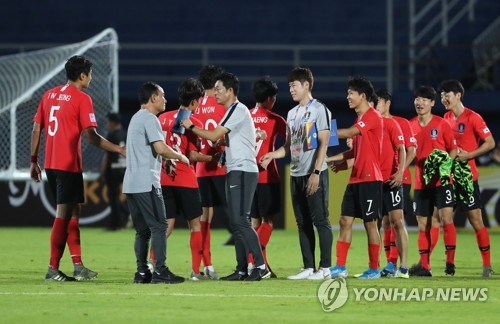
x=375 y=188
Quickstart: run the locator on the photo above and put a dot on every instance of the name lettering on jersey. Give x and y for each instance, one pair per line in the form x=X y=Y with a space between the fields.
x=64 y=97
x=206 y=110
x=461 y=127
x=486 y=130
x=52 y=95
x=361 y=124
x=170 y=121
x=259 y=120
x=92 y=117
x=434 y=133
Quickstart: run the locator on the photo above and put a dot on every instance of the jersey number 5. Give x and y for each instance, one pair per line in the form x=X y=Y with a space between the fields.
x=53 y=118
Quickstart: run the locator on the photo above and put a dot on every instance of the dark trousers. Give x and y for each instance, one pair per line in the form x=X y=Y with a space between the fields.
x=312 y=211
x=150 y=222
x=119 y=212
x=240 y=190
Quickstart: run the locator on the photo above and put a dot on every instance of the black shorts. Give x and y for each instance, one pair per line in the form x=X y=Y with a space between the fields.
x=213 y=191
x=426 y=199
x=182 y=201
x=66 y=187
x=408 y=209
x=363 y=200
x=474 y=200
x=393 y=198
x=267 y=200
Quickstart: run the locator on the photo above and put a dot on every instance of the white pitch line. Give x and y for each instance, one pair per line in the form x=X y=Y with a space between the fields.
x=21 y=293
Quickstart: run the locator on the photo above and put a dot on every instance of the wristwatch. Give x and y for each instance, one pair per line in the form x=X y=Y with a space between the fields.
x=316 y=171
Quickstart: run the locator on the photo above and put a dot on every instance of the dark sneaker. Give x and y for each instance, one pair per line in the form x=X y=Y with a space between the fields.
x=450 y=269
x=421 y=272
x=82 y=273
x=57 y=275
x=258 y=274
x=487 y=272
x=166 y=276
x=235 y=276
x=415 y=268
x=143 y=277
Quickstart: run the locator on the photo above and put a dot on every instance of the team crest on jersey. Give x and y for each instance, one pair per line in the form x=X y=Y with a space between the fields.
x=307 y=115
x=461 y=128
x=92 y=117
x=434 y=133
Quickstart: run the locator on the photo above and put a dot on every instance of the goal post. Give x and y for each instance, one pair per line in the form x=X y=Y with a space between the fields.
x=25 y=77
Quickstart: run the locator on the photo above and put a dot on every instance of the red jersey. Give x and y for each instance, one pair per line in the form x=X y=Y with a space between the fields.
x=64 y=112
x=469 y=128
x=393 y=136
x=209 y=113
x=274 y=125
x=437 y=134
x=184 y=175
x=367 y=147
x=410 y=140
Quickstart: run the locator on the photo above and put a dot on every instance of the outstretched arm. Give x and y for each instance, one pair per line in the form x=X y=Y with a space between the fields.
x=95 y=139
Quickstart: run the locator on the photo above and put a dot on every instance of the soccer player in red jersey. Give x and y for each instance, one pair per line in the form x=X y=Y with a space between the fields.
x=180 y=187
x=267 y=199
x=394 y=166
x=432 y=132
x=363 y=195
x=469 y=129
x=64 y=112
x=211 y=177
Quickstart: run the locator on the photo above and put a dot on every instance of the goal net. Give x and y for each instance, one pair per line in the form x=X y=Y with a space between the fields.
x=26 y=76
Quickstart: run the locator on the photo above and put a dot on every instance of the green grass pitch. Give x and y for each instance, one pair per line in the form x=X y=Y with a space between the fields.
x=112 y=298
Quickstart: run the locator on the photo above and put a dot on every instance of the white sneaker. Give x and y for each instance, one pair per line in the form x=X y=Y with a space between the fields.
x=303 y=274
x=211 y=274
x=321 y=274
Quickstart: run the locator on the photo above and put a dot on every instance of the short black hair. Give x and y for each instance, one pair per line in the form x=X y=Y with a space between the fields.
x=189 y=90
x=230 y=81
x=384 y=94
x=360 y=84
x=301 y=74
x=452 y=85
x=425 y=91
x=146 y=91
x=208 y=75
x=264 y=88
x=114 y=117
x=77 y=65
x=374 y=99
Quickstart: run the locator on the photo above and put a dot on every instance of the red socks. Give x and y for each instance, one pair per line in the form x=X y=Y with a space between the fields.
x=393 y=250
x=264 y=232
x=450 y=242
x=58 y=238
x=205 y=234
x=483 y=242
x=342 y=249
x=423 y=249
x=75 y=249
x=434 y=235
x=195 y=242
x=374 y=255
